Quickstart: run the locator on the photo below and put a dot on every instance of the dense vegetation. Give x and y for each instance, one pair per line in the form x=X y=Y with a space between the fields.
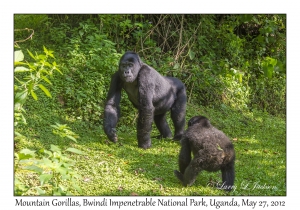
x=234 y=69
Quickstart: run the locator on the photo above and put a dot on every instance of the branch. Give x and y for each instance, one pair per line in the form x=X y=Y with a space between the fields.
x=30 y=37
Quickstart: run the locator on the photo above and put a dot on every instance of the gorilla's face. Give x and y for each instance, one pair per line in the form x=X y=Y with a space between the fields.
x=129 y=67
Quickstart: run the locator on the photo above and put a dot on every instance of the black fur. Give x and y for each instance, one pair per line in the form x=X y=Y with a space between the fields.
x=212 y=151
x=151 y=93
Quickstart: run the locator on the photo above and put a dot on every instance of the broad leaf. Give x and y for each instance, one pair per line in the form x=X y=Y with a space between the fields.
x=31 y=55
x=22 y=156
x=176 y=66
x=47 y=162
x=268 y=70
x=62 y=170
x=21 y=69
x=18 y=63
x=20 y=97
x=44 y=178
x=40 y=191
x=28 y=152
x=73 y=150
x=55 y=68
x=54 y=148
x=34 y=168
x=46 y=79
x=46 y=91
x=192 y=55
x=71 y=137
x=33 y=95
x=19 y=56
x=77 y=188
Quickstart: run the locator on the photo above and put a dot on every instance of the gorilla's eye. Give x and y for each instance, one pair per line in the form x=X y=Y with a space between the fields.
x=130 y=65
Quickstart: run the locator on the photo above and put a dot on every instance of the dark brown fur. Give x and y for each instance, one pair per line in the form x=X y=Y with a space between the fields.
x=212 y=151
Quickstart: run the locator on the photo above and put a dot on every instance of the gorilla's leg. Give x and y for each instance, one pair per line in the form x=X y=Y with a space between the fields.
x=144 y=126
x=178 y=114
x=191 y=172
x=162 y=126
x=228 y=175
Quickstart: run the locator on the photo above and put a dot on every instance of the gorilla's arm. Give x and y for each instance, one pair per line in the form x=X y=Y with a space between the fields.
x=184 y=160
x=146 y=83
x=112 y=109
x=185 y=155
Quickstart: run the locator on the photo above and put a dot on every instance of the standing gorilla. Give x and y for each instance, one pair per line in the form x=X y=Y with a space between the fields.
x=151 y=93
x=212 y=151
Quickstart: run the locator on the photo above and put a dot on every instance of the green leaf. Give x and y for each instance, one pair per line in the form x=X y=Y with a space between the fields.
x=47 y=162
x=46 y=79
x=71 y=137
x=54 y=148
x=218 y=147
x=45 y=50
x=176 y=66
x=46 y=91
x=18 y=134
x=62 y=170
x=22 y=156
x=268 y=70
x=44 y=178
x=21 y=69
x=81 y=32
x=48 y=152
x=28 y=152
x=77 y=188
x=19 y=56
x=55 y=68
x=20 y=97
x=271 y=61
x=18 y=63
x=34 y=168
x=40 y=191
x=42 y=57
x=191 y=54
x=33 y=95
x=31 y=55
x=240 y=78
x=73 y=150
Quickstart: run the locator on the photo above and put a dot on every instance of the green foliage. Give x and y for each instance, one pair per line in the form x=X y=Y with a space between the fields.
x=28 y=78
x=88 y=65
x=234 y=69
x=29 y=21
x=64 y=131
x=271 y=66
x=270 y=95
x=52 y=168
x=221 y=51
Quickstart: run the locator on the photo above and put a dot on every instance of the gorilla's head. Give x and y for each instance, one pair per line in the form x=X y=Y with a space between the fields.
x=129 y=66
x=199 y=119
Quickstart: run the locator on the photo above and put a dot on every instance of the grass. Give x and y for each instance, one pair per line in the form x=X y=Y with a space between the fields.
x=123 y=169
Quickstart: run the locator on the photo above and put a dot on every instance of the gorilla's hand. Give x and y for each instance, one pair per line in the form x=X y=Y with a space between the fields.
x=179 y=175
x=112 y=135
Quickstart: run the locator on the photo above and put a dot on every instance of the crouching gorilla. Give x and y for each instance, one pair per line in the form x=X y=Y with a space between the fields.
x=151 y=93
x=212 y=151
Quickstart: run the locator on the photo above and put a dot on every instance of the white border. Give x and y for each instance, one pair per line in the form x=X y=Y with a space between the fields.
x=8 y=8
